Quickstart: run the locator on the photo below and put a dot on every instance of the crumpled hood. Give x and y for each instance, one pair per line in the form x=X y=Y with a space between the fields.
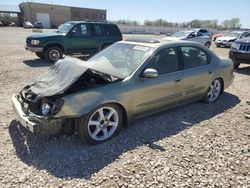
x=226 y=38
x=58 y=77
x=65 y=72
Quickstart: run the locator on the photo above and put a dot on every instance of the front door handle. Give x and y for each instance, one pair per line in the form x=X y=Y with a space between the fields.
x=177 y=79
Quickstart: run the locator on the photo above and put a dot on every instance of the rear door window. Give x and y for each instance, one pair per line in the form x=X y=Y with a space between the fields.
x=97 y=30
x=199 y=34
x=111 y=30
x=194 y=57
x=203 y=31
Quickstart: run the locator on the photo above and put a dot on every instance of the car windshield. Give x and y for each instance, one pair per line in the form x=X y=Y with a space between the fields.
x=120 y=59
x=180 y=34
x=65 y=27
x=244 y=35
x=232 y=34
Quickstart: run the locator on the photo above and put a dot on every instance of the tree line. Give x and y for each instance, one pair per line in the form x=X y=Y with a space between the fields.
x=233 y=23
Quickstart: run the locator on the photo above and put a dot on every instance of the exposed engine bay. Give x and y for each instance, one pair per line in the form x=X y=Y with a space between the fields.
x=90 y=79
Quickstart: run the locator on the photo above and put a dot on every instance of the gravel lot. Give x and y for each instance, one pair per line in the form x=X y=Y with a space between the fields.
x=196 y=145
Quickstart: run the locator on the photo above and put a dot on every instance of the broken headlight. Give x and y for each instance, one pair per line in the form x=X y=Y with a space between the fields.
x=51 y=106
x=45 y=109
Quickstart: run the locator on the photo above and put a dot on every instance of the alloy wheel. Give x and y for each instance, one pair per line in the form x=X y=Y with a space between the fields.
x=103 y=123
x=214 y=90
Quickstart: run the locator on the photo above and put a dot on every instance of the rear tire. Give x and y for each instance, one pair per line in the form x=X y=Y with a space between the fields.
x=214 y=91
x=53 y=54
x=101 y=124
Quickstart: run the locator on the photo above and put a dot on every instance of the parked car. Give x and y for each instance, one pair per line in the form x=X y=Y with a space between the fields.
x=12 y=24
x=204 y=31
x=38 y=25
x=244 y=35
x=5 y=23
x=217 y=35
x=1 y=24
x=28 y=25
x=228 y=39
x=190 y=36
x=99 y=96
x=74 y=37
x=240 y=51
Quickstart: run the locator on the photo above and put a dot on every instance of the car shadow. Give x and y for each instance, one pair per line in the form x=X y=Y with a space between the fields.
x=37 y=63
x=243 y=70
x=83 y=57
x=68 y=157
x=43 y=63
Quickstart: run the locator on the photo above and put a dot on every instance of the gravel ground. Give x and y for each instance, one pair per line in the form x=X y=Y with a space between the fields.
x=196 y=145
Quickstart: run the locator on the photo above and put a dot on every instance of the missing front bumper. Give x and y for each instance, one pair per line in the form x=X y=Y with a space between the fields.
x=22 y=117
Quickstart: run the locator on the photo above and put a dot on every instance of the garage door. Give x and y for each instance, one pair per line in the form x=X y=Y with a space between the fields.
x=44 y=19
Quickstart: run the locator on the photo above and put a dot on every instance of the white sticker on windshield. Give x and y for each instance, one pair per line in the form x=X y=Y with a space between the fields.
x=143 y=48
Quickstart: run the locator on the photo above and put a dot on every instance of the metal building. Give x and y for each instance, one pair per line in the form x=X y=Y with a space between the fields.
x=10 y=13
x=51 y=16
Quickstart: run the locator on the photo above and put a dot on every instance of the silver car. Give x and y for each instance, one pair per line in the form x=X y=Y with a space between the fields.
x=194 y=36
x=126 y=81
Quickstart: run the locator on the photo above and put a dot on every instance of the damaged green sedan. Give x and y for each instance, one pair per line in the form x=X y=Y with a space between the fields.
x=128 y=80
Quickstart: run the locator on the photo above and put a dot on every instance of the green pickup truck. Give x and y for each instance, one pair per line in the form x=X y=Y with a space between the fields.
x=74 y=37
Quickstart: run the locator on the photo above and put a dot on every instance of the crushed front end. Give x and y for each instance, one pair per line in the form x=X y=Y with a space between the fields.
x=36 y=116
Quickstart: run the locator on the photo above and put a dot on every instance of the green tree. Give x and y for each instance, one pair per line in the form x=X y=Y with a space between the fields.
x=235 y=23
x=196 y=23
x=226 y=24
x=126 y=22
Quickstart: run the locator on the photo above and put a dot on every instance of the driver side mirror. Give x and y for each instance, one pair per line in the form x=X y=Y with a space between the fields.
x=150 y=73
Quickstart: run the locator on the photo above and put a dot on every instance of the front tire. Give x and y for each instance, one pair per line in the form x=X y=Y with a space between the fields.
x=101 y=124
x=53 y=54
x=213 y=91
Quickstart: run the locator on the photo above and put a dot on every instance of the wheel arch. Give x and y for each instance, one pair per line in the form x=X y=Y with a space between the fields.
x=54 y=44
x=124 y=112
x=107 y=43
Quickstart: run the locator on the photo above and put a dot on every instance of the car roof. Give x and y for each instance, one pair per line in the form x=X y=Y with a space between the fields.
x=76 y=22
x=189 y=31
x=186 y=31
x=237 y=32
x=197 y=29
x=152 y=42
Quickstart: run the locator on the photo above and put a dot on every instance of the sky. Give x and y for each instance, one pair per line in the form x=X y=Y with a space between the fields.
x=170 y=10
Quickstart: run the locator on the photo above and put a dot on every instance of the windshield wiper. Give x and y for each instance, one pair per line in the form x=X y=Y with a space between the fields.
x=106 y=76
